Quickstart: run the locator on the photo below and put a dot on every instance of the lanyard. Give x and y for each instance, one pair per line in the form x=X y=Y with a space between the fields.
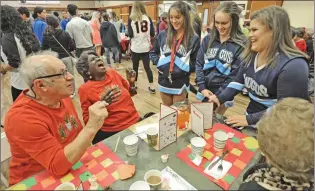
x=173 y=53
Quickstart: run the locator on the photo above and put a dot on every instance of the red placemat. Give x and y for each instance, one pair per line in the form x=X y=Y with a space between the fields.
x=241 y=149
x=98 y=160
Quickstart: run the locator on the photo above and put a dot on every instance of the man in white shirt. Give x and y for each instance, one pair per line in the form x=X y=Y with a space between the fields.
x=80 y=30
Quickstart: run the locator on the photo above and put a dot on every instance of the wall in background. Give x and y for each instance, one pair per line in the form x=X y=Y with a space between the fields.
x=301 y=15
x=62 y=4
x=99 y=4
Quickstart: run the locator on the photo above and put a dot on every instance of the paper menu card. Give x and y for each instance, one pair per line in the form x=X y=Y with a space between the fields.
x=165 y=110
x=201 y=117
x=174 y=181
x=167 y=126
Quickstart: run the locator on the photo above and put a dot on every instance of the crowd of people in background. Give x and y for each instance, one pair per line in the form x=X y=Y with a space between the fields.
x=266 y=56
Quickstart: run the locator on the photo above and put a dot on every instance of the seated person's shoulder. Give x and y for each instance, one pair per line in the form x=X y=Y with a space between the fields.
x=22 y=120
x=112 y=72
x=298 y=60
x=24 y=116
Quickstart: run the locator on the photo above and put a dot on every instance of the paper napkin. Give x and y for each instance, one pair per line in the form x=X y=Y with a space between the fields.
x=214 y=172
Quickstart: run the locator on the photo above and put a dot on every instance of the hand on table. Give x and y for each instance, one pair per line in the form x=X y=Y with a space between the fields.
x=206 y=93
x=213 y=99
x=97 y=114
x=237 y=121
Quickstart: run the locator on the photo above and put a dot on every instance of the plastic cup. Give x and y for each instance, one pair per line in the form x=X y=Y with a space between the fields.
x=220 y=139
x=197 y=145
x=131 y=145
x=152 y=135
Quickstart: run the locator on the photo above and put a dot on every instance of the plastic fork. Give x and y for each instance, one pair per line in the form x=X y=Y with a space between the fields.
x=220 y=167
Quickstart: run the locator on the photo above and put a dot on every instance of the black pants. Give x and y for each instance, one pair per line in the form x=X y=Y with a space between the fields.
x=135 y=57
x=101 y=135
x=120 y=54
x=15 y=93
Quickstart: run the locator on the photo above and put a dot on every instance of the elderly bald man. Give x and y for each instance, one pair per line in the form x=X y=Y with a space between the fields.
x=42 y=126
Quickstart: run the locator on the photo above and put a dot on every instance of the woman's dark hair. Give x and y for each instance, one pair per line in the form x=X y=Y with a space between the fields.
x=236 y=34
x=56 y=14
x=114 y=16
x=38 y=10
x=300 y=32
x=11 y=22
x=72 y=9
x=293 y=30
x=106 y=16
x=85 y=18
x=52 y=22
x=24 y=10
x=182 y=8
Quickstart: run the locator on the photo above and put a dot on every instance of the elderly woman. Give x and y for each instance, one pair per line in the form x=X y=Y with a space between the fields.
x=106 y=84
x=286 y=138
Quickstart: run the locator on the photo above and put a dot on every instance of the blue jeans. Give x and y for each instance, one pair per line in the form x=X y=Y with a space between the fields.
x=115 y=53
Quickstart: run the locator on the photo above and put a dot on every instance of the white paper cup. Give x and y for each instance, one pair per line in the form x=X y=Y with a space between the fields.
x=152 y=131
x=197 y=145
x=140 y=185
x=220 y=139
x=153 y=173
x=152 y=135
x=66 y=186
x=131 y=145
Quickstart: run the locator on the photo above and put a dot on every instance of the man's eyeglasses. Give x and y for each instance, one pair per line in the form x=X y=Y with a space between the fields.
x=64 y=74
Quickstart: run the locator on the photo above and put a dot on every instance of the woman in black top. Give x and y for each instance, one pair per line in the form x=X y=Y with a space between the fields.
x=59 y=41
x=17 y=42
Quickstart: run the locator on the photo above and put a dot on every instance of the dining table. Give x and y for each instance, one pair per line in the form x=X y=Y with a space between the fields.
x=149 y=158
